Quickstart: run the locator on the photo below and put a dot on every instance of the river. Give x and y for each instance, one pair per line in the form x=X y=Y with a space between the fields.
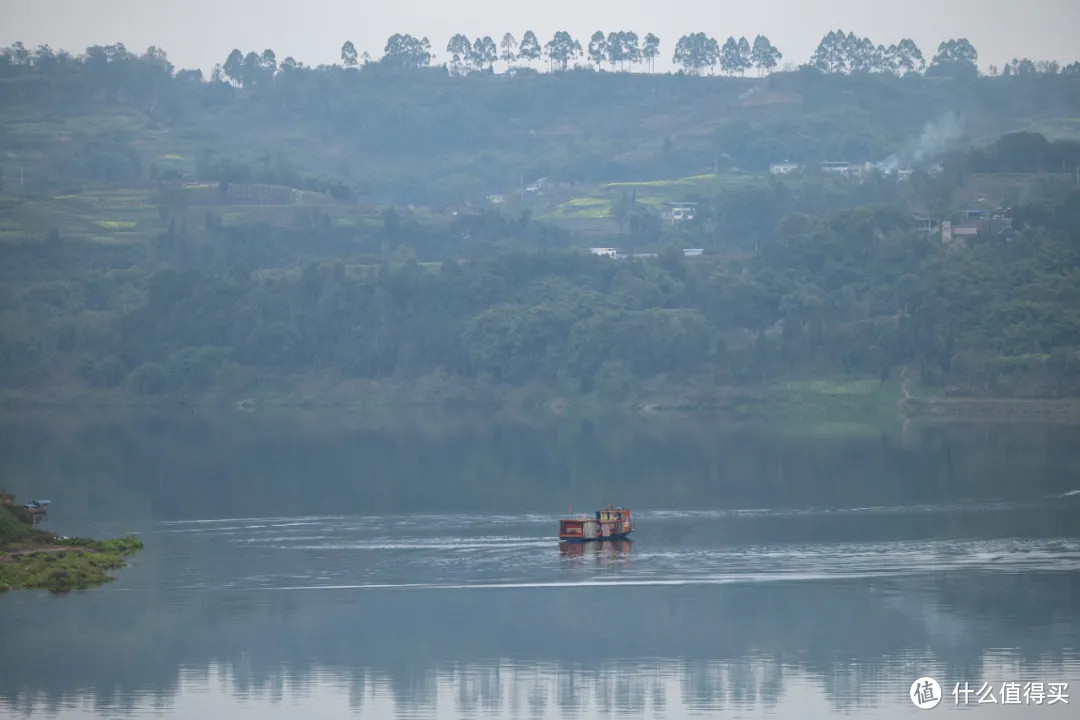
x=318 y=566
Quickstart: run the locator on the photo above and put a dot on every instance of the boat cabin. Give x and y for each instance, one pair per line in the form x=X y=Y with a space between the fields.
x=609 y=523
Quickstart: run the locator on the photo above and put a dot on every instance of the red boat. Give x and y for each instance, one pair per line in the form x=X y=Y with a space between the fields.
x=608 y=524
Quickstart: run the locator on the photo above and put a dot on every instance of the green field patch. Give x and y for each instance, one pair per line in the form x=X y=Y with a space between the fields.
x=828 y=387
x=649 y=201
x=114 y=199
x=583 y=208
x=670 y=183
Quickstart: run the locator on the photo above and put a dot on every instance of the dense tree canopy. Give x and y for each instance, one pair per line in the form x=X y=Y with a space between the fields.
x=696 y=52
x=763 y=55
x=955 y=58
x=406 y=51
x=562 y=49
x=380 y=275
x=854 y=291
x=840 y=53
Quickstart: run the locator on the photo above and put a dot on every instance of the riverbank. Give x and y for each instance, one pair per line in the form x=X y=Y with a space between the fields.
x=34 y=559
x=841 y=400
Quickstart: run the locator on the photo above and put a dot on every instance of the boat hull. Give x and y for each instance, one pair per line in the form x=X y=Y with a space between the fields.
x=577 y=540
x=609 y=524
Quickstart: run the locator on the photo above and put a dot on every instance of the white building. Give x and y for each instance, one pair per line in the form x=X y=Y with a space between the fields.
x=693 y=252
x=784 y=168
x=537 y=187
x=840 y=167
x=604 y=252
x=679 y=211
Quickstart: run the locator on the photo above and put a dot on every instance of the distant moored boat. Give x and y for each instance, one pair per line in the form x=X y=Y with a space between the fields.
x=607 y=524
x=37 y=507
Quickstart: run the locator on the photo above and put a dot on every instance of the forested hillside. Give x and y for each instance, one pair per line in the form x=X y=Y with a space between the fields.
x=423 y=136
x=161 y=234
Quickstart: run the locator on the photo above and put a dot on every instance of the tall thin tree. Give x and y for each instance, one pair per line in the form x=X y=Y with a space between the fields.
x=651 y=50
x=509 y=49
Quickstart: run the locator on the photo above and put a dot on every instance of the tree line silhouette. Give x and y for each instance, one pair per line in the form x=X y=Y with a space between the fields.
x=622 y=50
x=838 y=52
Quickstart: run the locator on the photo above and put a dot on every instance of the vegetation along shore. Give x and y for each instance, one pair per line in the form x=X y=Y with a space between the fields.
x=447 y=234
x=34 y=559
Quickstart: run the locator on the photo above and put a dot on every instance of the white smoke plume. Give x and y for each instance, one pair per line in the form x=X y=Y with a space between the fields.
x=936 y=137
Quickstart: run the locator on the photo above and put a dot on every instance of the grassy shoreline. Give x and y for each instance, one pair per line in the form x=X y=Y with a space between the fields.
x=34 y=559
x=807 y=401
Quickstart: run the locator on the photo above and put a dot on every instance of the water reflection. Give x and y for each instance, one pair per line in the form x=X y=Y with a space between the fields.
x=186 y=466
x=599 y=551
x=516 y=652
x=292 y=571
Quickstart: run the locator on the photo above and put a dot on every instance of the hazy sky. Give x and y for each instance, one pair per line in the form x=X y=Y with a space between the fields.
x=200 y=33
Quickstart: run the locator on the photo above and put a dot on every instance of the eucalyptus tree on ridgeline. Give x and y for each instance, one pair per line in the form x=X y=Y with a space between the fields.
x=696 y=52
x=763 y=55
x=562 y=49
x=650 y=50
x=484 y=53
x=348 y=54
x=460 y=50
x=406 y=51
x=908 y=57
x=955 y=58
x=735 y=56
x=529 y=49
x=509 y=46
x=839 y=53
x=476 y=55
x=253 y=69
x=1027 y=66
x=622 y=47
x=597 y=49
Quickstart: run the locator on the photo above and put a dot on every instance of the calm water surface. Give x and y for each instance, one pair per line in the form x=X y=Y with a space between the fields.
x=316 y=567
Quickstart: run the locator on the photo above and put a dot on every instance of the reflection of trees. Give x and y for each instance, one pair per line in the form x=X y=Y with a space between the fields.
x=753 y=681
x=726 y=646
x=415 y=688
x=224 y=466
x=532 y=649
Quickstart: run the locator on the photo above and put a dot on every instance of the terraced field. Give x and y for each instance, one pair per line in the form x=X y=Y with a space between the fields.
x=122 y=215
x=595 y=207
